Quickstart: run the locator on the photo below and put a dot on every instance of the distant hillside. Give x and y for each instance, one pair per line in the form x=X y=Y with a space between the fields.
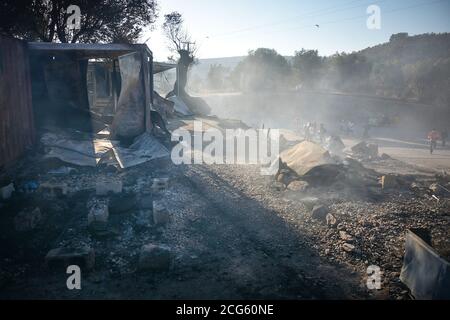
x=410 y=49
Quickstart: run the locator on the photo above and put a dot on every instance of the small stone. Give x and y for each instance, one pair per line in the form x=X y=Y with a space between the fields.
x=319 y=212
x=331 y=220
x=345 y=236
x=348 y=247
x=154 y=257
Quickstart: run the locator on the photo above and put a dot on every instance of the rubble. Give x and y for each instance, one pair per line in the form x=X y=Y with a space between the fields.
x=154 y=257
x=366 y=151
x=27 y=220
x=63 y=257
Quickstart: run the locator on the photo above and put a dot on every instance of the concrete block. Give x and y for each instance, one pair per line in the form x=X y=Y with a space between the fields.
x=98 y=213
x=154 y=257
x=63 y=257
x=388 y=182
x=160 y=214
x=102 y=188
x=54 y=189
x=6 y=191
x=160 y=184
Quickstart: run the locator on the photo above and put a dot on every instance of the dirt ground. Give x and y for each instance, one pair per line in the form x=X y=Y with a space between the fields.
x=233 y=234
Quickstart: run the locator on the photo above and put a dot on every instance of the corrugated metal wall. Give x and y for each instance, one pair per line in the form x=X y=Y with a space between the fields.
x=17 y=130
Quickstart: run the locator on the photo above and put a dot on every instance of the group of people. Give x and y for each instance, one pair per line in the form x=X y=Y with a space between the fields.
x=434 y=136
x=311 y=129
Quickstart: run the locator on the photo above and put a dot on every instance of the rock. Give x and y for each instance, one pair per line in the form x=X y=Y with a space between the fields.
x=389 y=182
x=319 y=212
x=331 y=220
x=348 y=247
x=154 y=257
x=385 y=156
x=54 y=189
x=6 y=191
x=160 y=214
x=26 y=220
x=63 y=257
x=102 y=188
x=345 y=236
x=98 y=214
x=297 y=185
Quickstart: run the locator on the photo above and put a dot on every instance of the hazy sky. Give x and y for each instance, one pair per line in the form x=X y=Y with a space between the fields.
x=224 y=28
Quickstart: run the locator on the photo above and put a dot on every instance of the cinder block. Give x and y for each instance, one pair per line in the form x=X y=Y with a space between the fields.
x=154 y=257
x=388 y=182
x=54 y=189
x=98 y=213
x=160 y=214
x=6 y=191
x=102 y=188
x=160 y=184
x=63 y=257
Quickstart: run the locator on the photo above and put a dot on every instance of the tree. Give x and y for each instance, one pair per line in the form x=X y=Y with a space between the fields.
x=217 y=76
x=101 y=20
x=307 y=65
x=262 y=69
x=180 y=42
